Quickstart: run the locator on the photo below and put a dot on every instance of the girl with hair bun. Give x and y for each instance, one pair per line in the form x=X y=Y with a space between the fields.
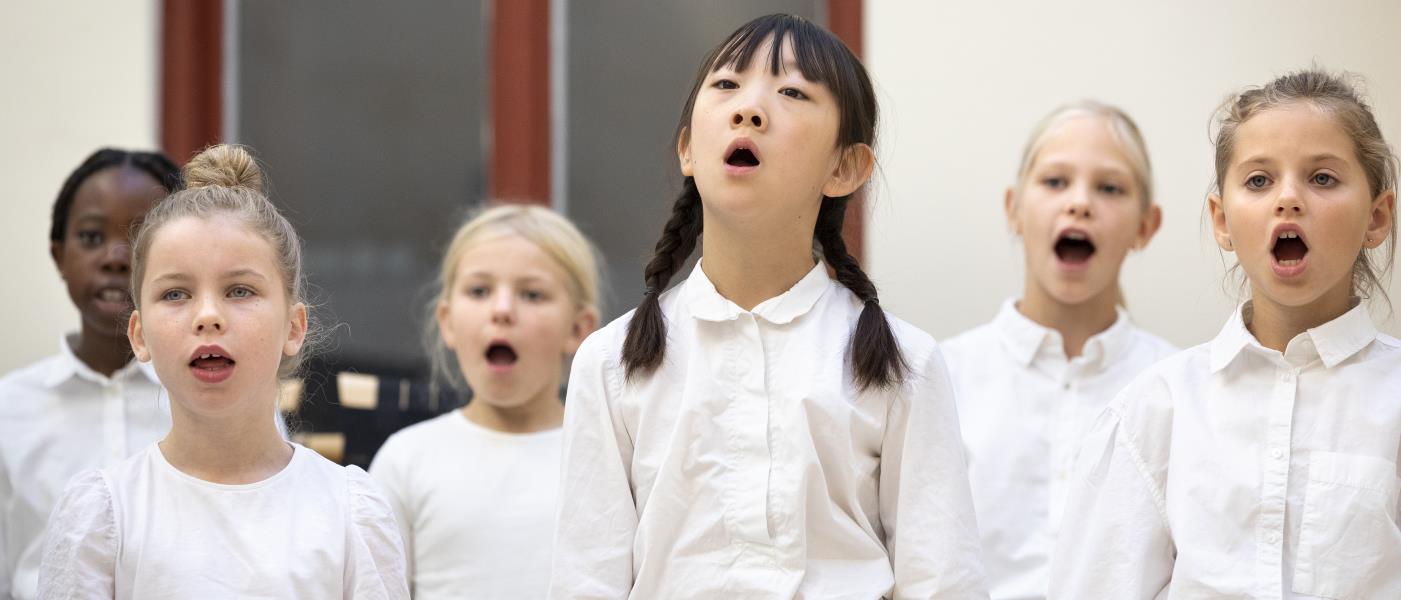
x=223 y=506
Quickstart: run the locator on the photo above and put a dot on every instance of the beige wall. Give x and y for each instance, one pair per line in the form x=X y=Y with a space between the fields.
x=77 y=76
x=962 y=83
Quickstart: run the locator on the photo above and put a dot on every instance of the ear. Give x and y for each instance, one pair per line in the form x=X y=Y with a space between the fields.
x=1152 y=220
x=296 y=334
x=1220 y=230
x=1009 y=208
x=852 y=171
x=137 y=337
x=443 y=314
x=1383 y=214
x=56 y=252
x=585 y=322
x=683 y=152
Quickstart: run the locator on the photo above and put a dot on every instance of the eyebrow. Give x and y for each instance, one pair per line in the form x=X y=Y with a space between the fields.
x=234 y=274
x=1264 y=160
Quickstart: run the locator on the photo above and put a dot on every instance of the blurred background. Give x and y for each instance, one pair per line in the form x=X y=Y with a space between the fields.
x=383 y=124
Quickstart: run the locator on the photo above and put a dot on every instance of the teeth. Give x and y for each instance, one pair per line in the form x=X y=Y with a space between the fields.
x=1288 y=235
x=1290 y=263
x=1075 y=235
x=211 y=356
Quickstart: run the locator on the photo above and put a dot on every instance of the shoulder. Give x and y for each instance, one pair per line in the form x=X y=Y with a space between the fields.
x=1155 y=346
x=415 y=438
x=1148 y=402
x=26 y=382
x=916 y=344
x=977 y=340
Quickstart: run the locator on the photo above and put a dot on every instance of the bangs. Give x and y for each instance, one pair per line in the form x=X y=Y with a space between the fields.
x=817 y=52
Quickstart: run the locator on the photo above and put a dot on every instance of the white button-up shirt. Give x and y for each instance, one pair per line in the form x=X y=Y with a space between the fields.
x=749 y=466
x=1231 y=470
x=1025 y=407
x=59 y=417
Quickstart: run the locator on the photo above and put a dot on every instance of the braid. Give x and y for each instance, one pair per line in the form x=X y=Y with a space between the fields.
x=154 y=164
x=645 y=344
x=876 y=360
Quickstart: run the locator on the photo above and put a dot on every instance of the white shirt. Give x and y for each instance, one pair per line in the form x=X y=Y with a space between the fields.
x=144 y=529
x=1234 y=471
x=748 y=466
x=59 y=417
x=476 y=507
x=1024 y=408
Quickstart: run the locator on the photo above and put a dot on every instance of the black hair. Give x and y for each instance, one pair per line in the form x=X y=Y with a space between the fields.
x=875 y=356
x=155 y=164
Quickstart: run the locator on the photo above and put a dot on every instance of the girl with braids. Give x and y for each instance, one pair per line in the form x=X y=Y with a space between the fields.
x=762 y=431
x=90 y=405
x=1262 y=464
x=223 y=506
x=1083 y=200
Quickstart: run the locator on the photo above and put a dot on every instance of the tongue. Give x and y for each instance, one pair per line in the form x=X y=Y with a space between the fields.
x=212 y=363
x=1074 y=251
x=1290 y=249
x=500 y=355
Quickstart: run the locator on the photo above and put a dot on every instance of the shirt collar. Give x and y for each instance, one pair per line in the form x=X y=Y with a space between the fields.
x=1334 y=341
x=69 y=366
x=1025 y=339
x=707 y=304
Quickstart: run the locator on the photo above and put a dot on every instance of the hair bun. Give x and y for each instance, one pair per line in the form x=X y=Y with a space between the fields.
x=224 y=165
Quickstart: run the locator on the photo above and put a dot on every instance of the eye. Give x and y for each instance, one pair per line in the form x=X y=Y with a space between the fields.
x=1323 y=179
x=1054 y=183
x=174 y=295
x=1112 y=189
x=533 y=295
x=1256 y=182
x=793 y=93
x=478 y=291
x=90 y=238
x=725 y=84
x=241 y=292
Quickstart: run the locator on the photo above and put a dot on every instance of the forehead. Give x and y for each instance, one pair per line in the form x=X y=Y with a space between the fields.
x=508 y=256
x=116 y=192
x=197 y=246
x=1294 y=131
x=1087 y=141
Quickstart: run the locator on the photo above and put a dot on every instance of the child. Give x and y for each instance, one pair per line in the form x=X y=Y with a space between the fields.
x=1030 y=382
x=474 y=490
x=223 y=506
x=90 y=405
x=761 y=430
x=1263 y=463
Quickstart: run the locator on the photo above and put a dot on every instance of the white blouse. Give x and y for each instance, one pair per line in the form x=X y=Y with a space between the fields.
x=144 y=529
x=1024 y=407
x=749 y=466
x=1233 y=470
x=476 y=507
x=58 y=417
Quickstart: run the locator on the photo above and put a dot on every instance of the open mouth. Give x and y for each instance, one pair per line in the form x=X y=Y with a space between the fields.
x=113 y=295
x=1074 y=247
x=500 y=354
x=1289 y=249
x=742 y=157
x=211 y=362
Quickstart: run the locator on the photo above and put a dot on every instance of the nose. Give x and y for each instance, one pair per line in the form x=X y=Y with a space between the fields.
x=1289 y=201
x=503 y=306
x=116 y=258
x=209 y=318
x=1078 y=204
x=749 y=114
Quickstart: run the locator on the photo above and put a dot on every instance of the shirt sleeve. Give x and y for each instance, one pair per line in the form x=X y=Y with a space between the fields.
x=926 y=507
x=1114 y=539
x=80 y=545
x=374 y=564
x=597 y=515
x=390 y=470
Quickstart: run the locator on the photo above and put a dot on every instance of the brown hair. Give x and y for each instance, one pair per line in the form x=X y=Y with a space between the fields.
x=1334 y=95
x=225 y=180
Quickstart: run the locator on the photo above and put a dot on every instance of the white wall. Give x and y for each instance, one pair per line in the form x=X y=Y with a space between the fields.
x=77 y=76
x=962 y=83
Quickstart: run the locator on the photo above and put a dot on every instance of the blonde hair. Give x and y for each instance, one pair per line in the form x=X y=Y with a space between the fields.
x=1124 y=130
x=552 y=233
x=1335 y=96
x=225 y=180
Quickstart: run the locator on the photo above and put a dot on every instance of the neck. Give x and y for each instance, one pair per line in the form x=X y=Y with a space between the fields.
x=101 y=351
x=1274 y=324
x=542 y=413
x=1076 y=323
x=748 y=269
x=232 y=449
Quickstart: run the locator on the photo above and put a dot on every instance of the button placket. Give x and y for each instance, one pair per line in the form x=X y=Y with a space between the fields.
x=1275 y=482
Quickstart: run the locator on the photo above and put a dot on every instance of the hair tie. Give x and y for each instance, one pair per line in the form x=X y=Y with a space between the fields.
x=873 y=300
x=650 y=291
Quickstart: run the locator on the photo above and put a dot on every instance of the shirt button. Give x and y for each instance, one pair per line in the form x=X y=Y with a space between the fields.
x=1277 y=453
x=1273 y=538
x=1066 y=386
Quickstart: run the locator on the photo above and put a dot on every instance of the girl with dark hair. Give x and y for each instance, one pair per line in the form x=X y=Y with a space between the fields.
x=90 y=405
x=763 y=430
